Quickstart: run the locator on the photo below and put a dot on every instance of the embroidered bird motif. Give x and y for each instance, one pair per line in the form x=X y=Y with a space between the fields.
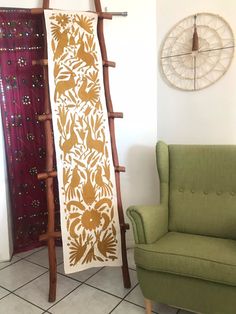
x=62 y=40
x=86 y=94
x=64 y=85
x=101 y=184
x=95 y=144
x=85 y=56
x=70 y=142
x=74 y=183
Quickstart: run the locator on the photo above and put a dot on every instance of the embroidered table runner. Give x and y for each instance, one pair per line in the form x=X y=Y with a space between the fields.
x=88 y=203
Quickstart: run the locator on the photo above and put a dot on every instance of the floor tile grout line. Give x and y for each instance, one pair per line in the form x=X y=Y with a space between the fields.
x=20 y=259
x=28 y=301
x=67 y=276
x=94 y=274
x=58 y=301
x=91 y=286
x=143 y=307
x=123 y=298
x=36 y=263
x=5 y=295
x=116 y=306
x=5 y=288
x=84 y=283
x=77 y=280
x=39 y=250
x=131 y=289
x=13 y=291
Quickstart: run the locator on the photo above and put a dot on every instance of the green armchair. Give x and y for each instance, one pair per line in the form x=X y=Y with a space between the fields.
x=185 y=249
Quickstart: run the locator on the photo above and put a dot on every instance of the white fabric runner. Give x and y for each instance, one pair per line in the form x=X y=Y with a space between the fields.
x=88 y=202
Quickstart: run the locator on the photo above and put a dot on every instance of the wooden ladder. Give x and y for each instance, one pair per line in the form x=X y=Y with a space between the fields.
x=51 y=235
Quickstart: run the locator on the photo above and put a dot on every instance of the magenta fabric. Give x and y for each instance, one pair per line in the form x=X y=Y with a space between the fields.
x=21 y=100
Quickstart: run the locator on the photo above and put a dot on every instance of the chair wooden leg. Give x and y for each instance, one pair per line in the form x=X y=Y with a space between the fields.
x=148 y=306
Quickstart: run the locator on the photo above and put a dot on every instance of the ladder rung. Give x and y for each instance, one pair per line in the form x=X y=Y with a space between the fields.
x=40 y=62
x=44 y=62
x=44 y=117
x=48 y=235
x=119 y=169
x=46 y=175
x=105 y=15
x=113 y=115
x=37 y=11
x=101 y=15
x=107 y=63
x=53 y=174
x=124 y=226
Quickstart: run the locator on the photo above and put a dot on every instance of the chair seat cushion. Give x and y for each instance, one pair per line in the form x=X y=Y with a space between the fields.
x=207 y=258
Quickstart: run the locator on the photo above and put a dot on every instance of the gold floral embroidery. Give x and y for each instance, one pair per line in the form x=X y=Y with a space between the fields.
x=62 y=19
x=91 y=219
x=87 y=187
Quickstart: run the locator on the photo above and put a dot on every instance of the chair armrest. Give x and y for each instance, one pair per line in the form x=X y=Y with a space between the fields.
x=149 y=222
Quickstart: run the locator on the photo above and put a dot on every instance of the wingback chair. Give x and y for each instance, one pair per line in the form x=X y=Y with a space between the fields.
x=185 y=249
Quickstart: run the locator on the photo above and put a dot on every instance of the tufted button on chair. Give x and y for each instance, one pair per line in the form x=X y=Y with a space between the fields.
x=185 y=249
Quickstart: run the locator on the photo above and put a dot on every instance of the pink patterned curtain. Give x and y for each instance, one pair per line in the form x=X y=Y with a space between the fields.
x=21 y=100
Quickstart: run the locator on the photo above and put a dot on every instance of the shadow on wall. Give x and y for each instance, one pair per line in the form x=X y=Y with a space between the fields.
x=141 y=181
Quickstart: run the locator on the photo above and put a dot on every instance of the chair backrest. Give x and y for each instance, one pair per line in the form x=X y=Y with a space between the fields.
x=201 y=188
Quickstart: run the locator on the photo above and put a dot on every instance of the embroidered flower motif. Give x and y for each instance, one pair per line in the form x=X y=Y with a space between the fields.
x=18 y=155
x=21 y=62
x=91 y=219
x=42 y=152
x=62 y=19
x=26 y=100
x=33 y=171
x=30 y=137
x=35 y=203
x=37 y=80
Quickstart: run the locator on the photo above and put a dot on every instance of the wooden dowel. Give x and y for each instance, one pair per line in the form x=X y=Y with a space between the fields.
x=40 y=62
x=44 y=117
x=48 y=235
x=37 y=10
x=119 y=169
x=101 y=15
x=45 y=4
x=104 y=15
x=53 y=174
x=107 y=63
x=46 y=175
x=113 y=115
x=124 y=226
x=44 y=62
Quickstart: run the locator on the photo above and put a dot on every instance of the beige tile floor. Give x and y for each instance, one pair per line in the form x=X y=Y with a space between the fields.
x=24 y=288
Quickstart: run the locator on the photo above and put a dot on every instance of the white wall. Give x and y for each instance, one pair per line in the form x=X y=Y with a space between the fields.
x=207 y=116
x=131 y=43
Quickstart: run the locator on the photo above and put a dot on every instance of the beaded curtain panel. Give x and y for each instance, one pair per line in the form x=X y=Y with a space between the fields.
x=89 y=216
x=21 y=99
